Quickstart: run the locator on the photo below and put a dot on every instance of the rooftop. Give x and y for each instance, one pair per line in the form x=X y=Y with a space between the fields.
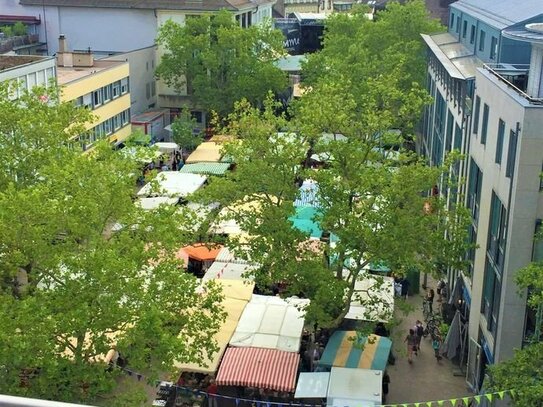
x=457 y=59
x=500 y=13
x=13 y=61
x=195 y=5
x=66 y=75
x=515 y=79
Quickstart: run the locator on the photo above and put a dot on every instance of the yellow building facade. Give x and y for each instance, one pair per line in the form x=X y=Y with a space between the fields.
x=101 y=86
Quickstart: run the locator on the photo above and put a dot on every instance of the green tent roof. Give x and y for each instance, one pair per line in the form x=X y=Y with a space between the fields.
x=207 y=168
x=304 y=220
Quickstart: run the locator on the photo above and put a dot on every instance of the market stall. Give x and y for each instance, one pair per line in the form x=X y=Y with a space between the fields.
x=305 y=221
x=167 y=148
x=172 y=184
x=236 y=297
x=198 y=257
x=230 y=271
x=206 y=168
x=349 y=349
x=205 y=152
x=271 y=322
x=373 y=299
x=354 y=388
x=154 y=203
x=307 y=194
x=269 y=369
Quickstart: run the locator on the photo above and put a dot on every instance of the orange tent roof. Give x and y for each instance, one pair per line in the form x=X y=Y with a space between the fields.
x=202 y=252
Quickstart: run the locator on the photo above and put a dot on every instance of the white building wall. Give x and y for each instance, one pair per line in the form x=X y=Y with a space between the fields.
x=143 y=92
x=29 y=75
x=523 y=209
x=101 y=29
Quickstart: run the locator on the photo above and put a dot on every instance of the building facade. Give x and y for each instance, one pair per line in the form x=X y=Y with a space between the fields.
x=101 y=86
x=479 y=76
x=27 y=71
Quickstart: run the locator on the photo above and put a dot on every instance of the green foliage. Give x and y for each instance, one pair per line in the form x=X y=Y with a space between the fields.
x=138 y=138
x=19 y=28
x=217 y=62
x=521 y=373
x=71 y=286
x=183 y=131
x=7 y=30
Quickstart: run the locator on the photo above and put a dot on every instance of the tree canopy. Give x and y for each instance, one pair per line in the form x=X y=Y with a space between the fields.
x=217 y=62
x=84 y=270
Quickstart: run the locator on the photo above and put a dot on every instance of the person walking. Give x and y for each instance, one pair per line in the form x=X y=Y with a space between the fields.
x=386 y=381
x=411 y=340
x=436 y=344
x=419 y=332
x=405 y=287
x=430 y=300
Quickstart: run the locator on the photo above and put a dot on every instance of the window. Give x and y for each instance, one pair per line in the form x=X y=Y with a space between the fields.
x=493 y=48
x=511 y=154
x=148 y=90
x=153 y=89
x=451 y=23
x=472 y=35
x=97 y=98
x=124 y=86
x=475 y=182
x=499 y=141
x=490 y=305
x=476 y=114
x=87 y=100
x=484 y=127
x=458 y=25
x=107 y=93
x=464 y=29
x=482 y=35
x=116 y=89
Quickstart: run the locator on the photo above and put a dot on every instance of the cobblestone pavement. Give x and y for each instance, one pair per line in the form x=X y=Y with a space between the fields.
x=425 y=379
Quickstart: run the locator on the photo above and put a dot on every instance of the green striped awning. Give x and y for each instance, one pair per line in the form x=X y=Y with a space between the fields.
x=206 y=168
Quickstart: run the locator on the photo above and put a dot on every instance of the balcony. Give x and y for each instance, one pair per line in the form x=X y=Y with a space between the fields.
x=515 y=76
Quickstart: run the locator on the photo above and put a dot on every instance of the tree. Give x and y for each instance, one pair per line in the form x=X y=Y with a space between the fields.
x=372 y=207
x=218 y=63
x=372 y=203
x=72 y=286
x=183 y=131
x=522 y=373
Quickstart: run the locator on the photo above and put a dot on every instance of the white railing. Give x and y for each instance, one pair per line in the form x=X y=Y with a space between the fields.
x=499 y=70
x=26 y=402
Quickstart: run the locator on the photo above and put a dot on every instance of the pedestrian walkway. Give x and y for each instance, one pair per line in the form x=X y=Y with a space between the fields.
x=425 y=379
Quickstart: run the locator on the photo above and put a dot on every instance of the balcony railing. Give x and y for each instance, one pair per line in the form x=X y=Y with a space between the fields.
x=515 y=76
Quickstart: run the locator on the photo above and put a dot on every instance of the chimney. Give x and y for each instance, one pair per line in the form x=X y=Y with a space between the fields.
x=64 y=58
x=62 y=44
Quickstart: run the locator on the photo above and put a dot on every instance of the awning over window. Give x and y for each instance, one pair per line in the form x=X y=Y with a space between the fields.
x=269 y=369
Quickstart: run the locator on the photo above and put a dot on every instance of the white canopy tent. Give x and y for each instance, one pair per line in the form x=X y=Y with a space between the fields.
x=153 y=203
x=312 y=385
x=354 y=387
x=226 y=256
x=172 y=184
x=372 y=300
x=167 y=148
x=271 y=322
x=230 y=271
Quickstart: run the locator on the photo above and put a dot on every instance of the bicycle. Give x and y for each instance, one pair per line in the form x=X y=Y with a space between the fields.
x=432 y=326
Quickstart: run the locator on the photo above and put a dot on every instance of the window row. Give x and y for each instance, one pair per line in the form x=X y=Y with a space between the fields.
x=500 y=137
x=103 y=95
x=109 y=126
x=472 y=35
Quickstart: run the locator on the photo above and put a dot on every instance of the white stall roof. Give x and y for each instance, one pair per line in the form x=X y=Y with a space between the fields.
x=354 y=387
x=153 y=203
x=226 y=256
x=271 y=322
x=230 y=271
x=167 y=148
x=173 y=184
x=312 y=385
x=369 y=289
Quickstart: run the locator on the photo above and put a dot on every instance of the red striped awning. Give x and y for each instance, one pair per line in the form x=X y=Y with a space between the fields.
x=269 y=369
